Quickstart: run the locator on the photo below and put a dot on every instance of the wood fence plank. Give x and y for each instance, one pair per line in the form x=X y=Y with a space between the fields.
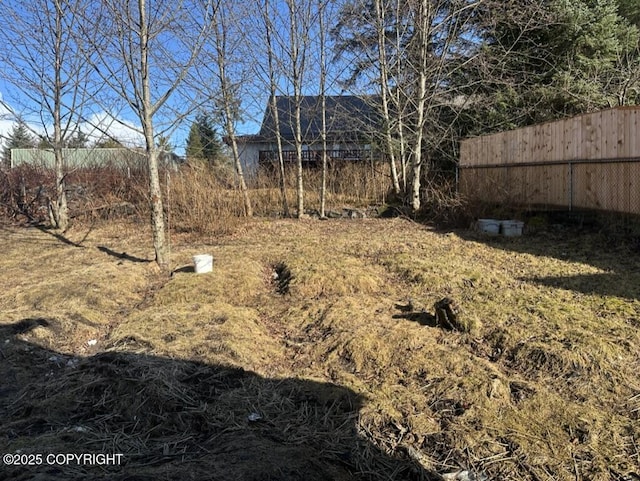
x=583 y=140
x=568 y=142
x=538 y=140
x=609 y=133
x=576 y=137
x=557 y=140
x=463 y=153
x=524 y=147
x=633 y=132
x=590 y=147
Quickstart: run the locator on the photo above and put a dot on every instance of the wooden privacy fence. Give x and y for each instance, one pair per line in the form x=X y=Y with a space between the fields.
x=591 y=161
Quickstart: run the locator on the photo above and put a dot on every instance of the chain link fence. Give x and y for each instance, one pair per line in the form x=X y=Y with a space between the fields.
x=603 y=184
x=590 y=161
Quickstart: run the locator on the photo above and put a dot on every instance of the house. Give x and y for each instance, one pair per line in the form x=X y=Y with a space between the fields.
x=351 y=122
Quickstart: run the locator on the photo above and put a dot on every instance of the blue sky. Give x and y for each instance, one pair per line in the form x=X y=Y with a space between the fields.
x=246 y=68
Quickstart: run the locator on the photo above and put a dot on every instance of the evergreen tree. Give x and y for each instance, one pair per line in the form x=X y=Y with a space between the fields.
x=514 y=64
x=211 y=148
x=549 y=60
x=630 y=10
x=108 y=143
x=203 y=142
x=44 y=143
x=194 y=150
x=18 y=138
x=78 y=141
x=592 y=43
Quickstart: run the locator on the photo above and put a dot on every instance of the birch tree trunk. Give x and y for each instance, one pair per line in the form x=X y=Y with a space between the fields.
x=144 y=54
x=323 y=107
x=423 y=35
x=424 y=17
x=297 y=67
x=283 y=179
x=384 y=93
x=399 y=101
x=60 y=210
x=220 y=28
x=155 y=192
x=273 y=103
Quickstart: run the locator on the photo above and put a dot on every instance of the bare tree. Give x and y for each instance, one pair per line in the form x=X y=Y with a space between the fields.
x=225 y=45
x=425 y=13
x=416 y=47
x=440 y=46
x=41 y=60
x=298 y=37
x=268 y=66
x=322 y=7
x=385 y=90
x=145 y=53
x=274 y=103
x=398 y=101
x=372 y=36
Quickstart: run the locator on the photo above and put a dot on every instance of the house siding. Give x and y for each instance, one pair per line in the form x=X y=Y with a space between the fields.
x=90 y=158
x=77 y=158
x=249 y=153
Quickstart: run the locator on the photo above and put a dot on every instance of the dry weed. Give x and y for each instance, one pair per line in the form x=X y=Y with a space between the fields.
x=357 y=185
x=350 y=376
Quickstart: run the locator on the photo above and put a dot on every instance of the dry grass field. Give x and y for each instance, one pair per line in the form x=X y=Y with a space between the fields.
x=335 y=370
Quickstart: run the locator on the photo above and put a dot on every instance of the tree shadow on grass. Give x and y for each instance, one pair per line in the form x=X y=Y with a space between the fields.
x=606 y=284
x=66 y=241
x=176 y=419
x=61 y=237
x=122 y=255
x=184 y=269
x=421 y=317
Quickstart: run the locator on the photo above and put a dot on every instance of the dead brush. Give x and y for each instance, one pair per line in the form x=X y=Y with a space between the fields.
x=24 y=193
x=202 y=200
x=353 y=184
x=443 y=205
x=174 y=416
x=108 y=192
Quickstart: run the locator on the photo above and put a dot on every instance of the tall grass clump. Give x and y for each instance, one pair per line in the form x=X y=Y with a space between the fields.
x=348 y=184
x=203 y=199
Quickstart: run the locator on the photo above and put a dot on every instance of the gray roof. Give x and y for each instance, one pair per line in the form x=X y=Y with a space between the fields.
x=348 y=117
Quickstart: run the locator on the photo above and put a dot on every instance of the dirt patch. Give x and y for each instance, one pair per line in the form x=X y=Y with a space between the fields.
x=281 y=277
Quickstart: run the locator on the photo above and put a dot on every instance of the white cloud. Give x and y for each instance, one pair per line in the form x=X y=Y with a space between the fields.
x=103 y=125
x=5 y=122
x=98 y=126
